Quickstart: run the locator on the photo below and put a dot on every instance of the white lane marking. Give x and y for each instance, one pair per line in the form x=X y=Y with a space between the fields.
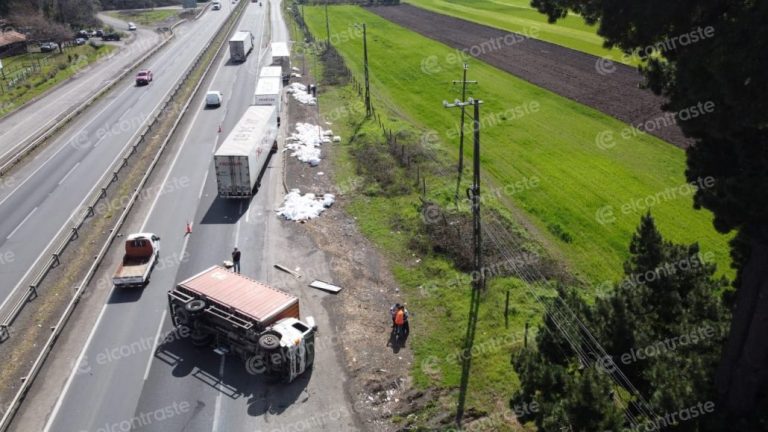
x=68 y=173
x=217 y=410
x=21 y=223
x=75 y=368
x=63 y=393
x=55 y=101
x=66 y=224
x=202 y=186
x=60 y=149
x=154 y=346
x=237 y=225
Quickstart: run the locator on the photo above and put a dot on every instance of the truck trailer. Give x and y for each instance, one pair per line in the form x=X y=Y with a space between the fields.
x=271 y=72
x=240 y=316
x=245 y=151
x=281 y=56
x=240 y=46
x=268 y=92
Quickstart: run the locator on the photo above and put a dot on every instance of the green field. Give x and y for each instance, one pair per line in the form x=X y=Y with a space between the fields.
x=145 y=17
x=533 y=133
x=518 y=16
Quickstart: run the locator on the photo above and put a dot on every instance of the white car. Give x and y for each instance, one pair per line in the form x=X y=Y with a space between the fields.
x=214 y=98
x=131 y=26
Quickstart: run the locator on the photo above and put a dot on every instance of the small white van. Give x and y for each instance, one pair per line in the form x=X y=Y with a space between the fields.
x=216 y=5
x=214 y=98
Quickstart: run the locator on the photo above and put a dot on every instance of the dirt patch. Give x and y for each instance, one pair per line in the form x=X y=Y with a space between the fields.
x=379 y=374
x=613 y=89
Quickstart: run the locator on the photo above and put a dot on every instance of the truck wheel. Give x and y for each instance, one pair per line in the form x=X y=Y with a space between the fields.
x=200 y=338
x=269 y=341
x=195 y=306
x=182 y=318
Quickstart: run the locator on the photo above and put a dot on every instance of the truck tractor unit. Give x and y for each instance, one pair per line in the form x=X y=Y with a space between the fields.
x=251 y=320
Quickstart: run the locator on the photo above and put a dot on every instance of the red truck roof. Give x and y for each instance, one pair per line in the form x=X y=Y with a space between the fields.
x=250 y=297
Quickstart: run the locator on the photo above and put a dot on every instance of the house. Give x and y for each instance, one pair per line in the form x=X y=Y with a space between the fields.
x=12 y=43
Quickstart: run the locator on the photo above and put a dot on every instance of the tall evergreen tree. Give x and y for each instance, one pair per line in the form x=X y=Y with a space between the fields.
x=713 y=52
x=663 y=326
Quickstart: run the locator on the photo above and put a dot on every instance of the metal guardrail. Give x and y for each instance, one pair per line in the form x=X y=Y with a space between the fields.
x=18 y=156
x=19 y=298
x=46 y=349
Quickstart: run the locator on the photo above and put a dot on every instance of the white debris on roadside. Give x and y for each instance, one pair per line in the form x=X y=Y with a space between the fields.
x=336 y=138
x=298 y=207
x=295 y=69
x=305 y=143
x=299 y=92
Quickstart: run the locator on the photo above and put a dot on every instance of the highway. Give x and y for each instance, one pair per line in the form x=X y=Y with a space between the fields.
x=38 y=199
x=27 y=123
x=134 y=371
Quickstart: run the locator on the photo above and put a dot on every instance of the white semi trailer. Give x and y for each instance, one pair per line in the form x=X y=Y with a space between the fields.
x=240 y=159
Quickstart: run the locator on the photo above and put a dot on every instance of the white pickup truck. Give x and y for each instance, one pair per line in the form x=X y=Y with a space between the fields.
x=142 y=251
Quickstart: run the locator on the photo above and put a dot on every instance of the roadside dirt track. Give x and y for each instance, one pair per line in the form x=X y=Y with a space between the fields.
x=572 y=74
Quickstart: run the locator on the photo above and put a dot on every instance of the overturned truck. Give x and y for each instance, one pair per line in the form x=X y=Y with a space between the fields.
x=240 y=316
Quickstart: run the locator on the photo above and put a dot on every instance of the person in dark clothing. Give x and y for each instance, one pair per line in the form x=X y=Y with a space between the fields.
x=236 y=260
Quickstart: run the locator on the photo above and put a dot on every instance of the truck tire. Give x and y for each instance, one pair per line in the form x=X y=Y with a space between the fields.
x=269 y=340
x=200 y=338
x=182 y=317
x=195 y=306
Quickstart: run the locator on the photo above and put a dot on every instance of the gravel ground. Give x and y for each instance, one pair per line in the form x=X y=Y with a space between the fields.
x=611 y=88
x=379 y=375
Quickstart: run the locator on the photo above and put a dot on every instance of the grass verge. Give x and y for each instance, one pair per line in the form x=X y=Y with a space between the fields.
x=386 y=206
x=518 y=16
x=145 y=17
x=49 y=70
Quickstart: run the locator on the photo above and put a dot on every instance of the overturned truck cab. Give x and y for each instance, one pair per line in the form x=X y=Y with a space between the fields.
x=240 y=316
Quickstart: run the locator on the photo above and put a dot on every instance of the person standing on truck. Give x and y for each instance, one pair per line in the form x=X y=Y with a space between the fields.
x=236 y=260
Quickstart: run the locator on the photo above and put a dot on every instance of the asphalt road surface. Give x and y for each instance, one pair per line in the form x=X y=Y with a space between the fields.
x=24 y=125
x=39 y=199
x=134 y=372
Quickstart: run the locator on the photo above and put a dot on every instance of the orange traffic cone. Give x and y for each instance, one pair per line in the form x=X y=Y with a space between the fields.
x=189 y=228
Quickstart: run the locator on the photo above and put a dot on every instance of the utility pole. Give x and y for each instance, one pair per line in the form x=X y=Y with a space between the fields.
x=478 y=283
x=327 y=25
x=368 y=110
x=464 y=83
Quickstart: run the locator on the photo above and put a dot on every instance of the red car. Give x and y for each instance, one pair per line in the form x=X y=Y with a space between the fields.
x=144 y=77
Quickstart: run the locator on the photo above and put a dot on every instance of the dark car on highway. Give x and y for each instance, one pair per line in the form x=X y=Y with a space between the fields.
x=111 y=37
